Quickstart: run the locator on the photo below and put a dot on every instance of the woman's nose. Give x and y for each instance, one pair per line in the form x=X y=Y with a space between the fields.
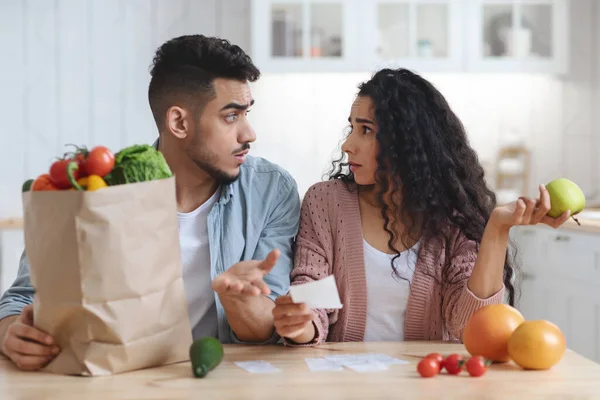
x=347 y=146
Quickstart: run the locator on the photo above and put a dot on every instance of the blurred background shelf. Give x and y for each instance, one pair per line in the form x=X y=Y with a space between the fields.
x=513 y=171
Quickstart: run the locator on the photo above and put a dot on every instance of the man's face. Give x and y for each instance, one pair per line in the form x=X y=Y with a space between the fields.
x=220 y=134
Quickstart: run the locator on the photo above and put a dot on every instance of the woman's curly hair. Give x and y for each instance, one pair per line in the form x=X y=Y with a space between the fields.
x=424 y=155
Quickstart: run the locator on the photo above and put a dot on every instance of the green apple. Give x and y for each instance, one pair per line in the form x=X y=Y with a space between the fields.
x=565 y=195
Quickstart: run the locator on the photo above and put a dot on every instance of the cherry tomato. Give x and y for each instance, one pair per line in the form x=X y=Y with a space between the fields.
x=43 y=182
x=428 y=367
x=58 y=174
x=477 y=365
x=453 y=364
x=100 y=161
x=438 y=357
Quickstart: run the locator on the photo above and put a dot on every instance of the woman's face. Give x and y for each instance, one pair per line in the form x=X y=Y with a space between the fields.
x=361 y=144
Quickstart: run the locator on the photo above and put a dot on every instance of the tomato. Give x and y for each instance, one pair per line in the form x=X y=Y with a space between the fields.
x=477 y=365
x=78 y=156
x=80 y=159
x=453 y=364
x=100 y=161
x=428 y=367
x=43 y=182
x=58 y=174
x=438 y=357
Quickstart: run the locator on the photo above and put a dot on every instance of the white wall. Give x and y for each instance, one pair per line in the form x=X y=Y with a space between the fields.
x=301 y=125
x=596 y=83
x=580 y=105
x=77 y=71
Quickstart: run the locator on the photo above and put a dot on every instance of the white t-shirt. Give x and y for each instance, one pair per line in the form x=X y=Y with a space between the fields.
x=387 y=294
x=195 y=258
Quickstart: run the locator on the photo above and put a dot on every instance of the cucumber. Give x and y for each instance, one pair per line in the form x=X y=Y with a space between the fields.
x=205 y=354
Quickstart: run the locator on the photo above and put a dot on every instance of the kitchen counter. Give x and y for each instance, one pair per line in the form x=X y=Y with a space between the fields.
x=11 y=224
x=574 y=377
x=589 y=220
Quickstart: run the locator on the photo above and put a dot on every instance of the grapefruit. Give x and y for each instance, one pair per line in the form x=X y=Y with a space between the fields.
x=488 y=330
x=537 y=345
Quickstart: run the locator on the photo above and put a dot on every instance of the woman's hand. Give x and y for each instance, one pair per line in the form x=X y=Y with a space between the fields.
x=292 y=320
x=527 y=211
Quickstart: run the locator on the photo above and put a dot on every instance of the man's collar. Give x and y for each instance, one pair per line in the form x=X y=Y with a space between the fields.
x=226 y=192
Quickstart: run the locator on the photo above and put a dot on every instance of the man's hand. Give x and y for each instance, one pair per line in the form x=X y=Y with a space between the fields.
x=246 y=277
x=29 y=348
x=242 y=292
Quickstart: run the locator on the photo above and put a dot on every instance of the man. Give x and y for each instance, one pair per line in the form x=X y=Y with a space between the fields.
x=238 y=215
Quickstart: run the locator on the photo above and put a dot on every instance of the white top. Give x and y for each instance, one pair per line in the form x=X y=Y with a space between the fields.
x=195 y=258
x=387 y=294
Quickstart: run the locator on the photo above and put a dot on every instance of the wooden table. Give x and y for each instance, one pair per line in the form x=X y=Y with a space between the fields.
x=573 y=378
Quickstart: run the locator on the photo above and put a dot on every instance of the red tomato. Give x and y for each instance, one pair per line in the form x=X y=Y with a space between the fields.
x=100 y=161
x=438 y=357
x=80 y=159
x=43 y=182
x=58 y=174
x=428 y=367
x=477 y=365
x=453 y=364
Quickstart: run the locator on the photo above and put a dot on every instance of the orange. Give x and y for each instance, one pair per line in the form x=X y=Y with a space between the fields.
x=487 y=332
x=537 y=345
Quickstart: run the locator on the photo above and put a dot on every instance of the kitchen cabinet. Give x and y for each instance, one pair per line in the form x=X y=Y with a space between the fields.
x=305 y=36
x=233 y=22
x=560 y=280
x=517 y=36
x=423 y=35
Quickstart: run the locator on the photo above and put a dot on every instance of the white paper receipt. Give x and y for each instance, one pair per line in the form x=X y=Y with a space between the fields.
x=369 y=362
x=318 y=294
x=257 y=367
x=368 y=366
x=366 y=362
x=385 y=359
x=322 y=365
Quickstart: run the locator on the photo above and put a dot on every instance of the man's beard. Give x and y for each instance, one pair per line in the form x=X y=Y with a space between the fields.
x=206 y=161
x=218 y=175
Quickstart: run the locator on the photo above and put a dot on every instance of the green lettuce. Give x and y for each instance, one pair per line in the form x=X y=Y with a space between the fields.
x=138 y=163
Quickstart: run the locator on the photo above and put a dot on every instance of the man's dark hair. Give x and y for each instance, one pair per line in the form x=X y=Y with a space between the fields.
x=184 y=68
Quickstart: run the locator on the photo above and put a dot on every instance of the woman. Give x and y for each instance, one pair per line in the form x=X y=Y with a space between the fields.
x=406 y=225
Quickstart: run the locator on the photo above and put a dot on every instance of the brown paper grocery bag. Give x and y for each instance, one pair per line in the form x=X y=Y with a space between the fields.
x=106 y=270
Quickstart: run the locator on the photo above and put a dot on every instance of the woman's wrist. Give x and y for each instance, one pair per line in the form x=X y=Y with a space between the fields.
x=308 y=335
x=496 y=225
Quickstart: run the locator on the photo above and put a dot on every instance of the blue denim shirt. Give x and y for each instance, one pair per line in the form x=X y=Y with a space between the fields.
x=254 y=215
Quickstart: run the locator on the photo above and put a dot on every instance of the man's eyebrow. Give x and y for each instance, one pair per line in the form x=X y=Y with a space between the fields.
x=237 y=106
